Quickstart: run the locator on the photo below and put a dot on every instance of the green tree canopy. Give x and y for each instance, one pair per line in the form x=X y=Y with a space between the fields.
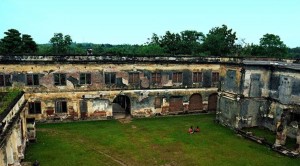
x=272 y=46
x=13 y=43
x=190 y=41
x=60 y=43
x=187 y=42
x=219 y=41
x=28 y=45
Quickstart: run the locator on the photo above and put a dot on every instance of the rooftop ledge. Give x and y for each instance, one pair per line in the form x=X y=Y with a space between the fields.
x=129 y=59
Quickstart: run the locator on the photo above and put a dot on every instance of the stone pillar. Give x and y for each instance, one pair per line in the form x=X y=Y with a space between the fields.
x=281 y=131
x=298 y=141
x=237 y=122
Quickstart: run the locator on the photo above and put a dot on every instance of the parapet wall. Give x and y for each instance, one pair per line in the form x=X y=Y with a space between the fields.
x=13 y=133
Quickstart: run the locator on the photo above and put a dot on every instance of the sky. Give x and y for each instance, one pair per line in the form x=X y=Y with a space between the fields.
x=134 y=21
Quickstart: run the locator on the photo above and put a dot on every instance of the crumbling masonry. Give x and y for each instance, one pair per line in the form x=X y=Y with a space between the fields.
x=243 y=93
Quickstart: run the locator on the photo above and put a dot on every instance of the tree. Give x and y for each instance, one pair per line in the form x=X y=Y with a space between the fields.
x=294 y=52
x=44 y=49
x=219 y=41
x=171 y=41
x=60 y=43
x=12 y=42
x=272 y=46
x=150 y=49
x=190 y=41
x=187 y=42
x=28 y=45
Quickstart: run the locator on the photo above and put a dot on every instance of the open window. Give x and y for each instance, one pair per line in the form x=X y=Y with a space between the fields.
x=32 y=79
x=5 y=80
x=59 y=79
x=110 y=78
x=85 y=78
x=61 y=106
x=34 y=107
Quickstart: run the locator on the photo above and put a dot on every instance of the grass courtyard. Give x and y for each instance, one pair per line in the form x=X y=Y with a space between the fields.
x=147 y=141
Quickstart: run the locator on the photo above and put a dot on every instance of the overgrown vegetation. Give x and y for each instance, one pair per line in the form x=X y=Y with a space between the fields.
x=219 y=41
x=149 y=141
x=7 y=98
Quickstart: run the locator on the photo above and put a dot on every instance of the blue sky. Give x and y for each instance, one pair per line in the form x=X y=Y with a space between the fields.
x=133 y=21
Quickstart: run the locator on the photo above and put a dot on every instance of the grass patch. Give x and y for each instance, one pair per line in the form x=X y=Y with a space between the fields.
x=270 y=136
x=6 y=98
x=152 y=141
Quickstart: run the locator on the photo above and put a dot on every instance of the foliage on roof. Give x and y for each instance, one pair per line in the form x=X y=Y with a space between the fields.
x=7 y=97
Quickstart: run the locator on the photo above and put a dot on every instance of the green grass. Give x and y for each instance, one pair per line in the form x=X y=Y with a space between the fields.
x=152 y=141
x=8 y=98
x=271 y=136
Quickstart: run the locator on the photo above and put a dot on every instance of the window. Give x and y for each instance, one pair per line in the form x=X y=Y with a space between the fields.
x=5 y=80
x=110 y=78
x=156 y=78
x=177 y=77
x=34 y=107
x=134 y=78
x=157 y=103
x=197 y=76
x=85 y=78
x=61 y=106
x=215 y=77
x=32 y=79
x=59 y=79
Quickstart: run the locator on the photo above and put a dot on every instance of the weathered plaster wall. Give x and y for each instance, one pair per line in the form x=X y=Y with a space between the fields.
x=230 y=77
x=13 y=145
x=268 y=95
x=228 y=109
x=95 y=100
x=285 y=87
x=256 y=82
x=142 y=102
x=97 y=71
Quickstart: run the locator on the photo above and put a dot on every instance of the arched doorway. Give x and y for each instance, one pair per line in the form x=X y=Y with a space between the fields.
x=121 y=106
x=212 y=102
x=195 y=103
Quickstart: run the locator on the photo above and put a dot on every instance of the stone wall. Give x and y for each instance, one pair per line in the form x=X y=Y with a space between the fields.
x=80 y=91
x=256 y=94
x=13 y=136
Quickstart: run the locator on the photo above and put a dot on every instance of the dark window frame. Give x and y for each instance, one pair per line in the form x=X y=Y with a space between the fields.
x=61 y=106
x=60 y=79
x=85 y=78
x=156 y=78
x=134 y=78
x=32 y=79
x=197 y=77
x=5 y=80
x=215 y=77
x=177 y=77
x=34 y=107
x=110 y=78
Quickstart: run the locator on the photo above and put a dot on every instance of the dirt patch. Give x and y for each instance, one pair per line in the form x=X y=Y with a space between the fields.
x=125 y=120
x=26 y=164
